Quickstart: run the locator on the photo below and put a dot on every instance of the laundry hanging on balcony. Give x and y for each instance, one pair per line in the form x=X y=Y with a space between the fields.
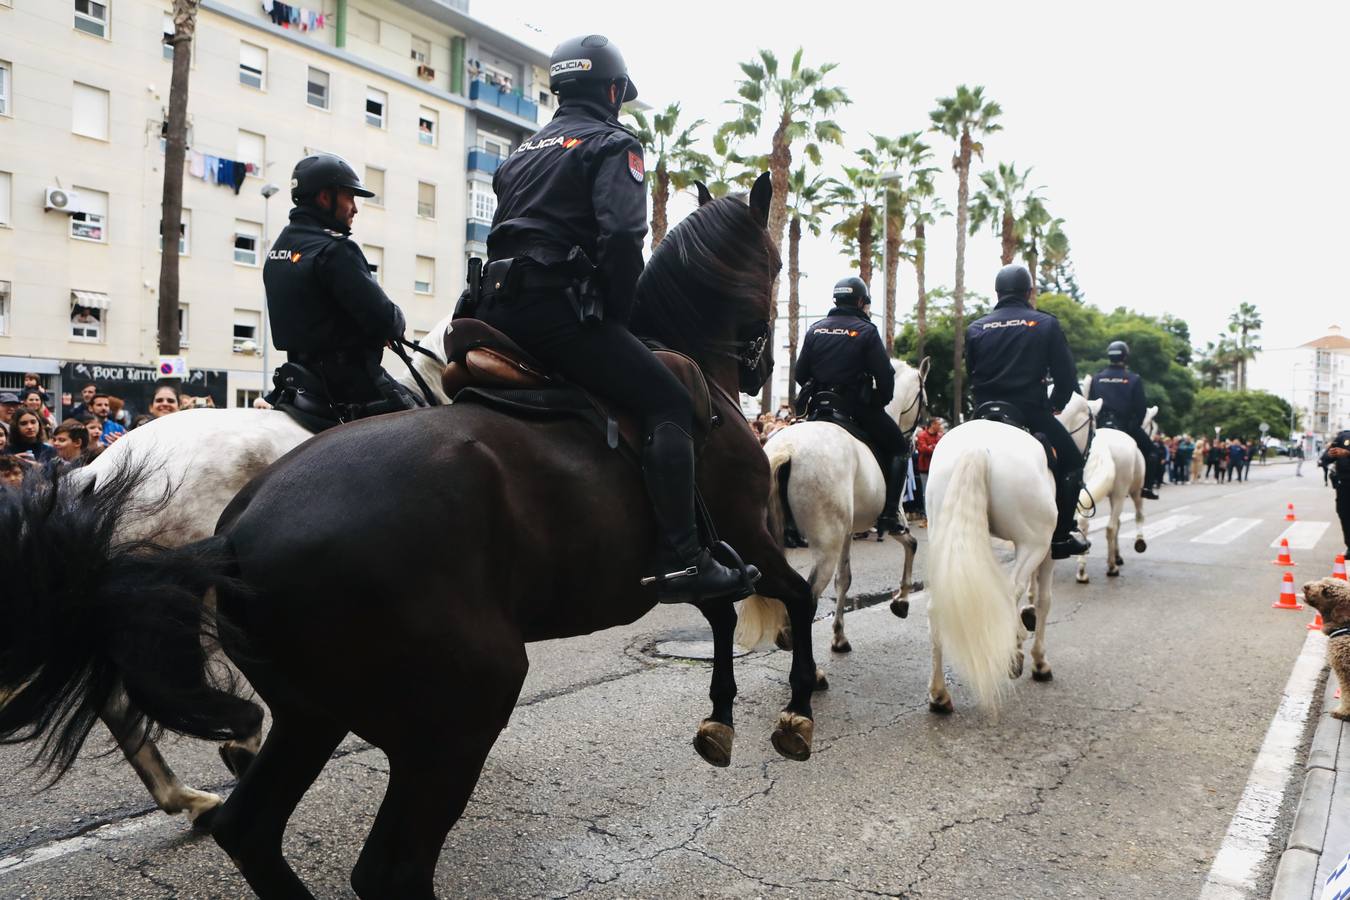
x=217 y=170
x=289 y=15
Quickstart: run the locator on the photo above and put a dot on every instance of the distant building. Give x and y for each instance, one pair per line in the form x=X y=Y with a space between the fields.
x=1321 y=383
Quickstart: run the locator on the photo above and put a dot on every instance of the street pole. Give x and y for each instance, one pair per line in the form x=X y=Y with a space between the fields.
x=267 y=191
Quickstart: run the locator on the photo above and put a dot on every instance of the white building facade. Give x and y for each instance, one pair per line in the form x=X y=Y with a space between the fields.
x=423 y=100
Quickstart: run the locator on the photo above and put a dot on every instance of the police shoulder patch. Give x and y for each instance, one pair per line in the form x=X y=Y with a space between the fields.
x=635 y=167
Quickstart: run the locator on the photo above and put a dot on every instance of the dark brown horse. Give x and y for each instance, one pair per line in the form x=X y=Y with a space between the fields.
x=508 y=531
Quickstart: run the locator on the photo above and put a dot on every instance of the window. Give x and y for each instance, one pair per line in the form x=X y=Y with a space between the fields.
x=497 y=146
x=426 y=200
x=182 y=325
x=247 y=323
x=6 y=191
x=376 y=101
x=91 y=222
x=164 y=136
x=87 y=309
x=482 y=202
x=183 y=229
x=252 y=65
x=252 y=148
x=166 y=47
x=4 y=307
x=374 y=182
x=247 y=242
x=91 y=17
x=89 y=112
x=427 y=120
x=243 y=398
x=421 y=50
x=364 y=26
x=425 y=279
x=316 y=88
x=4 y=88
x=375 y=257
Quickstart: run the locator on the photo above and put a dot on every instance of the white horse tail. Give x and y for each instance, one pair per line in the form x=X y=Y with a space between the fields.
x=761 y=618
x=970 y=607
x=1098 y=476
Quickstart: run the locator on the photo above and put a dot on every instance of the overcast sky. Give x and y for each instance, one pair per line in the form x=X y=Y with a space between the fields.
x=1194 y=149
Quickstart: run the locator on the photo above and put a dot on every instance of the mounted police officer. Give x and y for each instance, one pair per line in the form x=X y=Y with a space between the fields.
x=1122 y=394
x=565 y=253
x=844 y=354
x=1008 y=354
x=1336 y=460
x=326 y=309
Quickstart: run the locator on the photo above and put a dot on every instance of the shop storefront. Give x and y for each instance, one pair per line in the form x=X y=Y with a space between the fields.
x=135 y=385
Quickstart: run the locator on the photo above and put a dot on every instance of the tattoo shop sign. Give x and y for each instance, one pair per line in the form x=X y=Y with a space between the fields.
x=136 y=384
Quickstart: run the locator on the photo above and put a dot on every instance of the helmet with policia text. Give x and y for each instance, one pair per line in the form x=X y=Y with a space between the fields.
x=324 y=170
x=851 y=291
x=1118 y=351
x=589 y=58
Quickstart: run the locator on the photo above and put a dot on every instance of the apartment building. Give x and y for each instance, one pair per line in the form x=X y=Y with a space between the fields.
x=421 y=98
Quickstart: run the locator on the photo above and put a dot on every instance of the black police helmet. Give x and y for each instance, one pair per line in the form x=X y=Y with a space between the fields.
x=324 y=170
x=589 y=58
x=1118 y=351
x=1013 y=281
x=851 y=291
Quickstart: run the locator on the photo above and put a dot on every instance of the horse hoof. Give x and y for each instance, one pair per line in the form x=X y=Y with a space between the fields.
x=1029 y=618
x=783 y=640
x=916 y=586
x=1120 y=560
x=792 y=737
x=1139 y=545
x=1015 y=667
x=900 y=608
x=1112 y=573
x=942 y=707
x=1042 y=676
x=713 y=742
x=236 y=759
x=1082 y=579
x=841 y=646
x=822 y=683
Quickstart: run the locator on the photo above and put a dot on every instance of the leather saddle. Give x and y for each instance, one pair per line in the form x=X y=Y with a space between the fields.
x=1109 y=418
x=487 y=367
x=1008 y=414
x=833 y=407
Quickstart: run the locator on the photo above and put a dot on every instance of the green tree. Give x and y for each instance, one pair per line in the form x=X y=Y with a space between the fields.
x=1056 y=275
x=1034 y=229
x=678 y=163
x=965 y=118
x=807 y=204
x=925 y=207
x=1245 y=324
x=999 y=204
x=940 y=347
x=1239 y=414
x=903 y=159
x=858 y=197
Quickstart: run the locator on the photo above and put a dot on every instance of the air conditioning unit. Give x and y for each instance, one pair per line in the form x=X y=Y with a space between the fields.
x=61 y=200
x=426 y=72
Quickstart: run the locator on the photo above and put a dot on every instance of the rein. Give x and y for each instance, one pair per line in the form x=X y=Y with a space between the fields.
x=397 y=346
x=921 y=401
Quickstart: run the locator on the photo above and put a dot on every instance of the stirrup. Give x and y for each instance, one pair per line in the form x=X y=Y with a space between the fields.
x=891 y=525
x=748 y=576
x=1068 y=545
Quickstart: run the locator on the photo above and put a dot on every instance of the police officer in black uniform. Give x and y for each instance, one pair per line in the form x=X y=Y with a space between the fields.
x=844 y=354
x=1008 y=354
x=1336 y=461
x=326 y=309
x=1122 y=394
x=566 y=248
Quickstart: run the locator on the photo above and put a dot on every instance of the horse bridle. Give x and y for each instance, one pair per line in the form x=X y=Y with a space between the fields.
x=921 y=401
x=397 y=346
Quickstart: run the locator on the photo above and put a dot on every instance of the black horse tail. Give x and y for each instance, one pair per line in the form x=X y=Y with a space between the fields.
x=84 y=616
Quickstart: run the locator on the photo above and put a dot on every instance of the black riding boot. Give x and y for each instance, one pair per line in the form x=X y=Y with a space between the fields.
x=688 y=571
x=890 y=522
x=1152 y=476
x=1067 y=540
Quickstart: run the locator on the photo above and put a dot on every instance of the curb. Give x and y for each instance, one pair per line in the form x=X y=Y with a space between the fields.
x=1318 y=840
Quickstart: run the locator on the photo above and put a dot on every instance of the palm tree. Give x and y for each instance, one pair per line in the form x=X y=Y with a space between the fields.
x=728 y=169
x=175 y=152
x=925 y=208
x=903 y=157
x=859 y=196
x=794 y=104
x=1245 y=322
x=1034 y=229
x=999 y=204
x=1055 y=273
x=678 y=164
x=965 y=118
x=806 y=204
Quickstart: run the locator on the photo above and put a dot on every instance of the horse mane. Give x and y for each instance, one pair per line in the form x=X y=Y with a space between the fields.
x=709 y=274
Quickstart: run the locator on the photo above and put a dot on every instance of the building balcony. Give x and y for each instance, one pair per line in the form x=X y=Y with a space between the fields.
x=477 y=232
x=482 y=161
x=492 y=96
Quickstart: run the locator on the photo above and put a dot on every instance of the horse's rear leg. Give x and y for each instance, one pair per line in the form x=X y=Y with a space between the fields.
x=1113 y=540
x=250 y=825
x=843 y=580
x=939 y=698
x=715 y=733
x=900 y=599
x=1040 y=669
x=1082 y=576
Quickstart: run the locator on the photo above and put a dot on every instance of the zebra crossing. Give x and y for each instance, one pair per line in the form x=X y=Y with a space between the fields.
x=1304 y=535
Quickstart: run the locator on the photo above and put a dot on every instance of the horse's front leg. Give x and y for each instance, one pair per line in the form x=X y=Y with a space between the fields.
x=900 y=599
x=1113 y=540
x=1140 y=545
x=715 y=733
x=170 y=794
x=1082 y=575
x=1040 y=669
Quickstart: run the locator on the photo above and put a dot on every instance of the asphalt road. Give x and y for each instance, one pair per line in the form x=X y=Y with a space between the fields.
x=1118 y=779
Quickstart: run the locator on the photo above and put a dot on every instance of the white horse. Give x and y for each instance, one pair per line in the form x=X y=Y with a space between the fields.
x=201 y=458
x=988 y=478
x=833 y=487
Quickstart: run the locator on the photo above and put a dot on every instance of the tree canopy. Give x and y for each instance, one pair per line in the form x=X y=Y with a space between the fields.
x=1239 y=414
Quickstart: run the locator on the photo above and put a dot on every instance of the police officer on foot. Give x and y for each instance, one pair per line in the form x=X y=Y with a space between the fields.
x=326 y=309
x=1008 y=354
x=566 y=250
x=844 y=354
x=1122 y=394
x=1336 y=460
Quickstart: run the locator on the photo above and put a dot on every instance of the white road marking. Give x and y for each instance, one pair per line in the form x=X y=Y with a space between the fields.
x=57 y=849
x=1302 y=535
x=1100 y=521
x=1226 y=532
x=1167 y=525
x=1247 y=845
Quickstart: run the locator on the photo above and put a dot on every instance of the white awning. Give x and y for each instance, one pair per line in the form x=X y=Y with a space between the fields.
x=89 y=299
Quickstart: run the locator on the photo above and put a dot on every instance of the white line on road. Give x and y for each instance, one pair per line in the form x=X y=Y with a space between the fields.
x=1100 y=522
x=58 y=849
x=1226 y=532
x=1302 y=535
x=1247 y=845
x=1166 y=525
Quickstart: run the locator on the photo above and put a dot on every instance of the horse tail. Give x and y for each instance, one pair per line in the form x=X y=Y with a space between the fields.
x=1098 y=477
x=86 y=616
x=970 y=607
x=761 y=618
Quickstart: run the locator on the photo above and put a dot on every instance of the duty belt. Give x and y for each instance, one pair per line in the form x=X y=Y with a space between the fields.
x=343 y=356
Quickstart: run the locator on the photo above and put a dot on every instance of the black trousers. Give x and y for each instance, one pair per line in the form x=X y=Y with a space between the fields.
x=1068 y=457
x=884 y=431
x=602 y=357
x=1343 y=511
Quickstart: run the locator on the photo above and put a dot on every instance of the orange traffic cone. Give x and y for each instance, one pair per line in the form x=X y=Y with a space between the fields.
x=1338 y=567
x=1316 y=624
x=1289 y=516
x=1287 y=600
x=1283 y=559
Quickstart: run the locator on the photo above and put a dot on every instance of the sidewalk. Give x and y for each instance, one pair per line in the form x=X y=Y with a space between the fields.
x=1320 y=838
